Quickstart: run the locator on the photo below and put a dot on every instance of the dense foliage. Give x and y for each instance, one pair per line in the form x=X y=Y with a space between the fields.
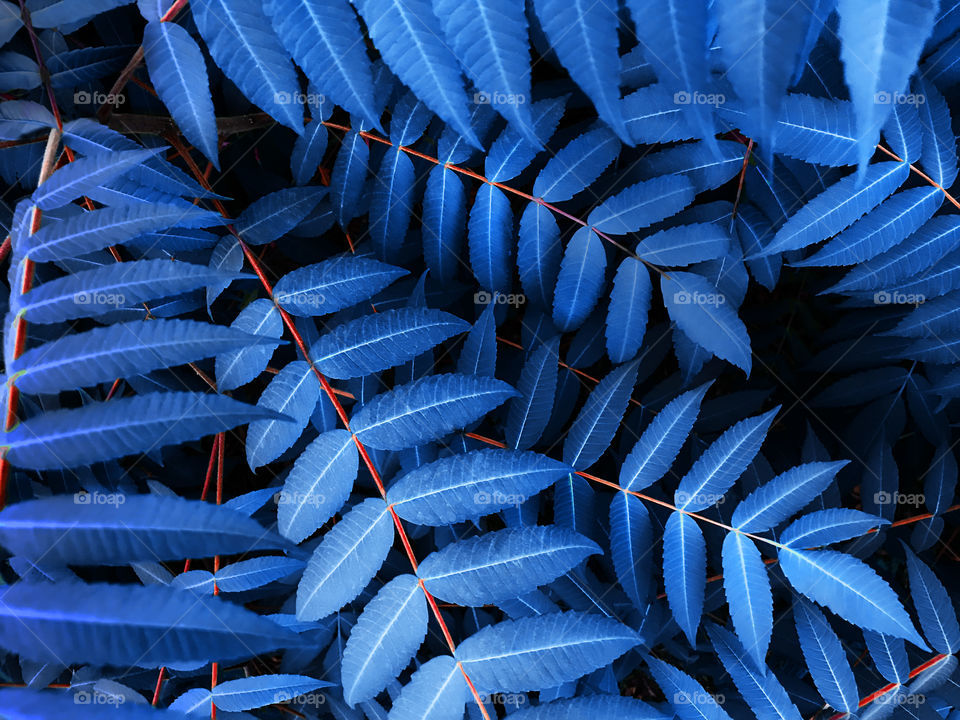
x=411 y=359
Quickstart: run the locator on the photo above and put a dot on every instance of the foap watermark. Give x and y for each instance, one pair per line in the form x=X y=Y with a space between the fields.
x=313 y=699
x=309 y=99
x=899 y=697
x=82 y=97
x=698 y=98
x=97 y=697
x=885 y=297
x=498 y=498
x=898 y=498
x=698 y=298
x=499 y=98
x=286 y=497
x=698 y=697
x=889 y=98
x=499 y=298
x=305 y=299
x=99 y=298
x=99 y=498
x=505 y=699
x=683 y=499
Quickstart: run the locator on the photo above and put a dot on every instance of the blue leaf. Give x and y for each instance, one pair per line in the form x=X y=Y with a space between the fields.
x=97 y=229
x=427 y=409
x=718 y=468
x=702 y=312
x=350 y=555
x=704 y=168
x=685 y=244
x=688 y=697
x=748 y=595
x=241 y=41
x=444 y=223
x=479 y=353
x=538 y=254
x=114 y=529
x=529 y=414
x=376 y=342
x=293 y=394
x=761 y=689
x=642 y=204
x=349 y=176
x=939 y=154
x=902 y=130
x=387 y=634
x=790 y=491
x=273 y=216
x=580 y=281
x=465 y=487
x=850 y=588
x=826 y=658
x=324 y=38
x=436 y=691
x=838 y=206
x=308 y=151
x=502 y=564
x=825 y=527
x=889 y=654
x=938 y=618
x=239 y=367
x=627 y=314
x=759 y=43
x=631 y=537
x=333 y=284
x=880 y=47
x=122 y=350
x=124 y=426
x=685 y=562
x=178 y=72
x=318 y=484
x=887 y=226
x=653 y=116
x=255 y=692
x=130 y=625
x=514 y=149
x=83 y=174
x=655 y=450
x=576 y=165
x=490 y=238
x=254 y=573
x=589 y=706
x=674 y=37
x=26 y=704
x=89 y=293
x=540 y=652
x=489 y=38
x=581 y=34
x=391 y=202
x=407 y=33
x=598 y=421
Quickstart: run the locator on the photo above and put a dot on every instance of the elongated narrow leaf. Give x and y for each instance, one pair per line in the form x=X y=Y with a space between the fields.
x=333 y=284
x=541 y=652
x=539 y=253
x=292 y=394
x=938 y=618
x=889 y=654
x=122 y=350
x=26 y=704
x=850 y=588
x=825 y=527
x=387 y=634
x=318 y=484
x=825 y=657
x=274 y=215
x=502 y=564
x=685 y=244
x=576 y=165
x=241 y=40
x=467 y=486
x=427 y=409
x=593 y=430
x=130 y=625
x=661 y=441
x=689 y=699
x=490 y=238
x=126 y=426
x=444 y=223
x=685 y=562
x=631 y=537
x=346 y=560
x=114 y=529
x=722 y=463
x=256 y=572
x=704 y=314
x=939 y=155
x=748 y=595
x=178 y=72
x=80 y=176
x=239 y=367
x=436 y=691
x=781 y=497
x=254 y=692
x=530 y=413
x=627 y=314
